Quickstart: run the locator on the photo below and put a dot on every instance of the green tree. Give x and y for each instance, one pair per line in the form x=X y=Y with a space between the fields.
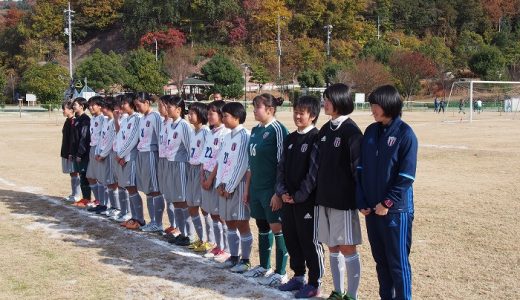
x=488 y=63
x=380 y=50
x=467 y=45
x=228 y=79
x=260 y=75
x=141 y=17
x=3 y=83
x=146 y=73
x=103 y=71
x=48 y=82
x=311 y=78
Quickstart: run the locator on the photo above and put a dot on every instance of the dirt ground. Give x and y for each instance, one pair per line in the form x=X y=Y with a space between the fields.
x=465 y=240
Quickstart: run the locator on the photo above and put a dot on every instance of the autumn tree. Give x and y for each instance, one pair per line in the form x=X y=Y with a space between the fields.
x=145 y=16
x=408 y=67
x=365 y=75
x=170 y=38
x=179 y=63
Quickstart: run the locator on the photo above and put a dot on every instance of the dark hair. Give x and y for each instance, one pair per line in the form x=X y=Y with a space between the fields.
x=216 y=106
x=144 y=96
x=66 y=104
x=81 y=101
x=389 y=99
x=110 y=103
x=340 y=95
x=237 y=110
x=117 y=100
x=176 y=100
x=310 y=104
x=129 y=98
x=201 y=110
x=96 y=100
x=268 y=100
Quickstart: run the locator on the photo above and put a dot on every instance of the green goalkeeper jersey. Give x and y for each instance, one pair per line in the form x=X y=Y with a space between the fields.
x=265 y=150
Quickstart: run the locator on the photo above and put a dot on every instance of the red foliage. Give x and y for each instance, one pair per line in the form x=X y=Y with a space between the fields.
x=239 y=33
x=251 y=4
x=171 y=38
x=409 y=66
x=13 y=16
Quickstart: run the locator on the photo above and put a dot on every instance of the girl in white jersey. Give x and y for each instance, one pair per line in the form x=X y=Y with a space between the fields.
x=162 y=166
x=119 y=119
x=106 y=159
x=210 y=197
x=96 y=125
x=178 y=156
x=127 y=156
x=198 y=117
x=148 y=147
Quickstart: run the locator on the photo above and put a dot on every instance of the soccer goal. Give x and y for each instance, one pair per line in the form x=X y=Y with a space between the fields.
x=478 y=99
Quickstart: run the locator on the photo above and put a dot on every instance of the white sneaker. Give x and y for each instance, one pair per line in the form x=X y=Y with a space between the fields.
x=273 y=280
x=151 y=227
x=122 y=218
x=257 y=271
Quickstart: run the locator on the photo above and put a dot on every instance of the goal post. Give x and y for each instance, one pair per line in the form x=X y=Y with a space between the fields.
x=471 y=87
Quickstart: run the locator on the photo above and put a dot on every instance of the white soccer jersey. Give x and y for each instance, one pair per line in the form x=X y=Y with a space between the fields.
x=108 y=134
x=178 y=142
x=212 y=147
x=197 y=141
x=149 y=130
x=129 y=135
x=163 y=137
x=96 y=125
x=118 y=140
x=233 y=159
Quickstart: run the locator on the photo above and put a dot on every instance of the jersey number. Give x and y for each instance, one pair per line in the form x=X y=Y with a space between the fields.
x=208 y=153
x=226 y=155
x=192 y=152
x=252 y=149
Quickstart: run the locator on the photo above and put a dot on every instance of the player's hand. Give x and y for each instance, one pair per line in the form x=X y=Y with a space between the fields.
x=276 y=202
x=381 y=210
x=122 y=162
x=245 y=199
x=206 y=184
x=286 y=198
x=78 y=159
x=227 y=194
x=70 y=158
x=365 y=211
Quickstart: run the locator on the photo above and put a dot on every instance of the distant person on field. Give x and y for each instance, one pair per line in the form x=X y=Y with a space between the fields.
x=479 y=106
x=442 y=106
x=436 y=105
x=384 y=193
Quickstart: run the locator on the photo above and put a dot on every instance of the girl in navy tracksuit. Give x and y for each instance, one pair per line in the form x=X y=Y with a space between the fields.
x=384 y=193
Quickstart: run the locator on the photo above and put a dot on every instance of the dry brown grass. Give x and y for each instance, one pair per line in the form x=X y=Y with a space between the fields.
x=465 y=242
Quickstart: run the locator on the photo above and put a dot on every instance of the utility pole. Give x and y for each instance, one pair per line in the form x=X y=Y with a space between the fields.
x=155 y=40
x=279 y=49
x=329 y=32
x=500 y=24
x=378 y=27
x=68 y=31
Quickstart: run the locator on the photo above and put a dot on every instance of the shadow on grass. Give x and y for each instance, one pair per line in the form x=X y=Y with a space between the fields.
x=136 y=253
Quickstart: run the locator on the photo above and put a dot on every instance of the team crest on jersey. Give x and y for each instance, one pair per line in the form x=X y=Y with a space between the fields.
x=266 y=135
x=96 y=124
x=304 y=147
x=215 y=141
x=233 y=147
x=337 y=142
x=198 y=143
x=252 y=135
x=129 y=126
x=290 y=147
x=391 y=141
x=147 y=123
x=175 y=135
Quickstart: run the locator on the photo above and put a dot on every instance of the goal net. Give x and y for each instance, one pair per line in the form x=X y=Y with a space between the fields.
x=476 y=100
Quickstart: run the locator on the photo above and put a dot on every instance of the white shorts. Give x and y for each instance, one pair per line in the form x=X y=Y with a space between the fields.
x=107 y=169
x=210 y=198
x=338 y=227
x=147 y=172
x=162 y=173
x=175 y=190
x=127 y=175
x=234 y=208
x=93 y=165
x=193 y=189
x=67 y=166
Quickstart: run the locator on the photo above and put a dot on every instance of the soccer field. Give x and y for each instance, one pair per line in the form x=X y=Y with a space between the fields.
x=465 y=240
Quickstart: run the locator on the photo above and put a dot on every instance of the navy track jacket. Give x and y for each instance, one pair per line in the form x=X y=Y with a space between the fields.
x=387 y=166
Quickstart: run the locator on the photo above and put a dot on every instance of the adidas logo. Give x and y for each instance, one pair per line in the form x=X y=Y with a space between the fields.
x=340 y=238
x=392 y=224
x=323 y=139
x=307 y=216
x=234 y=215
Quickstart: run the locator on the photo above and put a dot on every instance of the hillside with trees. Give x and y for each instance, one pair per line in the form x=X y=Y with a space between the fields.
x=362 y=42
